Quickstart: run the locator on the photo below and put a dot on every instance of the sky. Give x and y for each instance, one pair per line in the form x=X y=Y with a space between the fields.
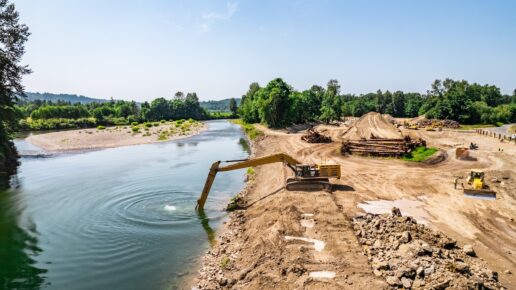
x=141 y=50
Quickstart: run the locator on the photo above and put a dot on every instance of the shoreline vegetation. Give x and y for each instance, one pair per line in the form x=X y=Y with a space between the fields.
x=109 y=137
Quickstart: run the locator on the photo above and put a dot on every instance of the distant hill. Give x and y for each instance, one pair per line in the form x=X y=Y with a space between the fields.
x=222 y=105
x=63 y=97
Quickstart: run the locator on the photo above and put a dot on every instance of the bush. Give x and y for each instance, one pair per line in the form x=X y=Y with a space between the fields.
x=135 y=124
x=135 y=129
x=147 y=124
x=420 y=154
x=100 y=127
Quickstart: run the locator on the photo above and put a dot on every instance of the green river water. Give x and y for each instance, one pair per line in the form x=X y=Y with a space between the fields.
x=120 y=218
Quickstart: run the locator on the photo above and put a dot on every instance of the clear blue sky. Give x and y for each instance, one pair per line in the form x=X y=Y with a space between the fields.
x=146 y=49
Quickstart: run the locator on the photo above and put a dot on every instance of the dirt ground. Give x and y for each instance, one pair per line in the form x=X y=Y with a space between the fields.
x=260 y=246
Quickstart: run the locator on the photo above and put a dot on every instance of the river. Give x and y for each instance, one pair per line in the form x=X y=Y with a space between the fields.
x=120 y=218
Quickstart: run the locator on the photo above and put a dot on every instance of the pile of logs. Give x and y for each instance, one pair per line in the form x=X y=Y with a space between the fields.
x=438 y=123
x=381 y=147
x=312 y=136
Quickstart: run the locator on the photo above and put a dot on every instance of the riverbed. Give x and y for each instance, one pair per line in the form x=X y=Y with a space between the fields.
x=119 y=218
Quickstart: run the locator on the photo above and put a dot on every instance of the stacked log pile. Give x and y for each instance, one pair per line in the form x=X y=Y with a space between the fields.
x=381 y=147
x=312 y=136
x=438 y=123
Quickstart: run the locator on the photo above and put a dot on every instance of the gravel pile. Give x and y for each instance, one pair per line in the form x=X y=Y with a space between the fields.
x=411 y=256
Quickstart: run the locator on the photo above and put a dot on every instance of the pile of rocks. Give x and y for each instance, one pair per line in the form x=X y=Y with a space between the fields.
x=411 y=256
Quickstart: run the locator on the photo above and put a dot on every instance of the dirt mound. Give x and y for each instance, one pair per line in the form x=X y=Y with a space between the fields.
x=410 y=255
x=372 y=126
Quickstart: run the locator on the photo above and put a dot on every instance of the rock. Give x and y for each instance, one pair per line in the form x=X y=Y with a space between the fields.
x=420 y=271
x=424 y=249
x=393 y=281
x=407 y=283
x=468 y=250
x=405 y=237
x=396 y=212
x=380 y=265
x=461 y=267
x=429 y=270
x=507 y=272
x=377 y=244
x=377 y=273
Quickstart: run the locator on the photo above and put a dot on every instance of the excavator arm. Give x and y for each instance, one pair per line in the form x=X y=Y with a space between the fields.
x=215 y=167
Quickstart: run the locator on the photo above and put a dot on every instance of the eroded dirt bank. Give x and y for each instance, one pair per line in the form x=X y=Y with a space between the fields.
x=306 y=240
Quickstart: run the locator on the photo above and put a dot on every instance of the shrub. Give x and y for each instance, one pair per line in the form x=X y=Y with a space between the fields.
x=147 y=124
x=100 y=127
x=136 y=129
x=134 y=124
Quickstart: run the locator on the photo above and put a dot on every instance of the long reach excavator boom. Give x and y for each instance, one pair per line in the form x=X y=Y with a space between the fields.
x=306 y=177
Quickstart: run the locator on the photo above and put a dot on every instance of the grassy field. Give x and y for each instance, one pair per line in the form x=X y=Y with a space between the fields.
x=420 y=154
x=475 y=126
x=249 y=129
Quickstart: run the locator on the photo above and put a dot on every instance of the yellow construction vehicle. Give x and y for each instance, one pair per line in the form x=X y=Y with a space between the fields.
x=306 y=177
x=475 y=184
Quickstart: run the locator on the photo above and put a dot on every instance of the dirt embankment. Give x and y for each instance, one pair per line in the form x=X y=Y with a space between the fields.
x=306 y=240
x=113 y=136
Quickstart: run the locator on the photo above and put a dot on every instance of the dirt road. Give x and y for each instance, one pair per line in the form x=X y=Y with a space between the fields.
x=263 y=244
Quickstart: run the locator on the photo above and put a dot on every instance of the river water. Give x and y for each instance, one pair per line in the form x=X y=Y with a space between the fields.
x=120 y=218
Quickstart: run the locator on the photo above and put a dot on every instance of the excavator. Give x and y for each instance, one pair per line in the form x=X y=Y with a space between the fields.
x=306 y=177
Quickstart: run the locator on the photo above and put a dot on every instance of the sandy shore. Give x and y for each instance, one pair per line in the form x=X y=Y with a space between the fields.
x=275 y=241
x=114 y=136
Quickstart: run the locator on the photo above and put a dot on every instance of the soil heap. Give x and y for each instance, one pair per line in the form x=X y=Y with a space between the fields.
x=372 y=126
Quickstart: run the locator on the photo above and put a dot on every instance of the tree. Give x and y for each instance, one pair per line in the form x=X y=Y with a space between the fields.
x=331 y=106
x=13 y=36
x=233 y=106
x=273 y=103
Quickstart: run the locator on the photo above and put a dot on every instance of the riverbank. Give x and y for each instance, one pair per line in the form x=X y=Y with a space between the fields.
x=307 y=240
x=116 y=136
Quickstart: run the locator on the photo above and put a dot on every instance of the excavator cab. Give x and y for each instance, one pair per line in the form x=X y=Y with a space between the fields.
x=304 y=170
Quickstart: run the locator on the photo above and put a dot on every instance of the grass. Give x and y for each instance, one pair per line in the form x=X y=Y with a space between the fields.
x=512 y=129
x=163 y=136
x=250 y=171
x=249 y=129
x=224 y=262
x=475 y=126
x=420 y=154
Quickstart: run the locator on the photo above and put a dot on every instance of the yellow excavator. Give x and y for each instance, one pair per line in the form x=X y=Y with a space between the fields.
x=475 y=184
x=306 y=177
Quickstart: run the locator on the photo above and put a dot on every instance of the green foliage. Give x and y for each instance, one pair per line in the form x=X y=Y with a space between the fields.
x=250 y=171
x=13 y=36
x=420 y=154
x=278 y=105
x=163 y=136
x=56 y=123
x=224 y=262
x=249 y=129
x=100 y=127
x=135 y=124
x=135 y=129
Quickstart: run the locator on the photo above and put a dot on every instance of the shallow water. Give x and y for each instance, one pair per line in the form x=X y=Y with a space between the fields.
x=120 y=218
x=413 y=208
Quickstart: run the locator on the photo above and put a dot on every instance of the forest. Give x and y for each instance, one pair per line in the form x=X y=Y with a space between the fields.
x=45 y=115
x=278 y=104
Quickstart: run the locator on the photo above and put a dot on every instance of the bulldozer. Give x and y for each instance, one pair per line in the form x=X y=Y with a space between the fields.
x=307 y=177
x=475 y=184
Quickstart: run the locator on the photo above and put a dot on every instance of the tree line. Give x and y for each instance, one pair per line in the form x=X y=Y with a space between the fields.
x=278 y=104
x=43 y=114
